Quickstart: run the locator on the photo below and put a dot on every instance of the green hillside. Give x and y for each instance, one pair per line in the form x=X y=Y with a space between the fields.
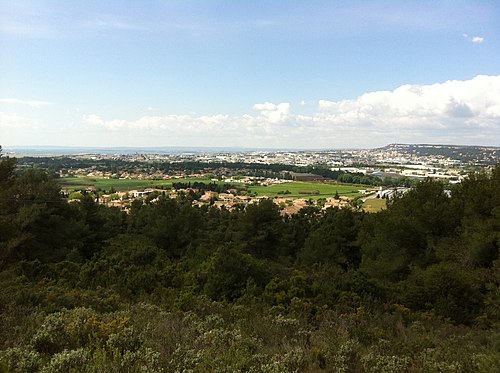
x=171 y=287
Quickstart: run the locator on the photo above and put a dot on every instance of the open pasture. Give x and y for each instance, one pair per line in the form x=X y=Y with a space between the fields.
x=307 y=190
x=374 y=204
x=121 y=185
x=296 y=189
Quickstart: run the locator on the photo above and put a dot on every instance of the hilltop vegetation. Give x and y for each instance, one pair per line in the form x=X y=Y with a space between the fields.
x=171 y=287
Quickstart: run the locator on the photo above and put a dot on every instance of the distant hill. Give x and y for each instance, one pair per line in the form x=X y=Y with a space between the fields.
x=463 y=153
x=478 y=155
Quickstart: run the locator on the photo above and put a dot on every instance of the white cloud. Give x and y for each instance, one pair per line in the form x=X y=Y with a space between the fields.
x=94 y=120
x=272 y=121
x=450 y=112
x=32 y=103
x=274 y=113
x=13 y=121
x=474 y=39
x=168 y=123
x=112 y=23
x=472 y=103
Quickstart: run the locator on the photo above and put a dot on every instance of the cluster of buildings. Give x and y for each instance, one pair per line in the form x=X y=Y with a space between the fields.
x=418 y=161
x=393 y=154
x=445 y=162
x=413 y=171
x=288 y=205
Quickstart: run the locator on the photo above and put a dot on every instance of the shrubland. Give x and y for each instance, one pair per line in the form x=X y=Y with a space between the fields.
x=170 y=287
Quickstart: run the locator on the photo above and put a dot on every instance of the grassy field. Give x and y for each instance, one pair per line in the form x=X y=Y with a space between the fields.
x=374 y=204
x=120 y=185
x=296 y=189
x=308 y=190
x=75 y=183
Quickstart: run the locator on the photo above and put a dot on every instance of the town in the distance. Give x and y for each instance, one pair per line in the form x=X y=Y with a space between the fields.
x=356 y=178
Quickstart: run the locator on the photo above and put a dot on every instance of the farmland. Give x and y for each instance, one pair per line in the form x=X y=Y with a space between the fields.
x=374 y=204
x=290 y=189
x=121 y=185
x=307 y=190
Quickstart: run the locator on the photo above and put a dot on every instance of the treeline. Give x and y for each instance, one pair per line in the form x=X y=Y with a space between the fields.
x=172 y=287
x=282 y=171
x=202 y=187
x=358 y=177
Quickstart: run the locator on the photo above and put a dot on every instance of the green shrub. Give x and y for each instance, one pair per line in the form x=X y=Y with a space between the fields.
x=19 y=360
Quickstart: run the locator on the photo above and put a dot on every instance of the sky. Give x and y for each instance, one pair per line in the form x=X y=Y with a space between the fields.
x=296 y=74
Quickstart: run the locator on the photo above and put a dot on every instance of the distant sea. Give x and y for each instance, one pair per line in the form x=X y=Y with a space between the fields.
x=67 y=150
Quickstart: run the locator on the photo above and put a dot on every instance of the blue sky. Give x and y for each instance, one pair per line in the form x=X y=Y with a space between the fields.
x=296 y=74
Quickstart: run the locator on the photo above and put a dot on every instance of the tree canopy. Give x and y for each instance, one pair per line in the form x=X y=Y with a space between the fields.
x=88 y=285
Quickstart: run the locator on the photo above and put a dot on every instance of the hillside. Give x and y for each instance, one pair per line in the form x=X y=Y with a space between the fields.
x=172 y=287
x=481 y=155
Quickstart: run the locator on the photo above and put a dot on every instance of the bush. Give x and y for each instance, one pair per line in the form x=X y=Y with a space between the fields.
x=22 y=360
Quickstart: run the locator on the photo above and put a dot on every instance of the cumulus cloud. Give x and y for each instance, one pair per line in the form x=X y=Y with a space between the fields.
x=450 y=105
x=274 y=113
x=474 y=39
x=169 y=123
x=450 y=112
x=32 y=103
x=272 y=123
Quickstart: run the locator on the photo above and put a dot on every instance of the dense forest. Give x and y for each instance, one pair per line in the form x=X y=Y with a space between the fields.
x=170 y=287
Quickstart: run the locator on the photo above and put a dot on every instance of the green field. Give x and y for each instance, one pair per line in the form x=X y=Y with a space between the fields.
x=120 y=185
x=308 y=190
x=77 y=183
x=297 y=189
x=374 y=204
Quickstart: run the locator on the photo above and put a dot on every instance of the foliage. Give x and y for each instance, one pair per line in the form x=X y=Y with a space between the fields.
x=172 y=287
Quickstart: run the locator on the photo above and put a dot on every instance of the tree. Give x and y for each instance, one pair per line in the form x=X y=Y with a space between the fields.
x=408 y=231
x=262 y=229
x=335 y=240
x=131 y=264
x=445 y=289
x=478 y=201
x=7 y=208
x=41 y=225
x=298 y=228
x=172 y=224
x=227 y=272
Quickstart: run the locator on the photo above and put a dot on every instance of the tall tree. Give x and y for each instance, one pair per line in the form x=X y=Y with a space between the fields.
x=42 y=225
x=405 y=234
x=334 y=240
x=262 y=229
